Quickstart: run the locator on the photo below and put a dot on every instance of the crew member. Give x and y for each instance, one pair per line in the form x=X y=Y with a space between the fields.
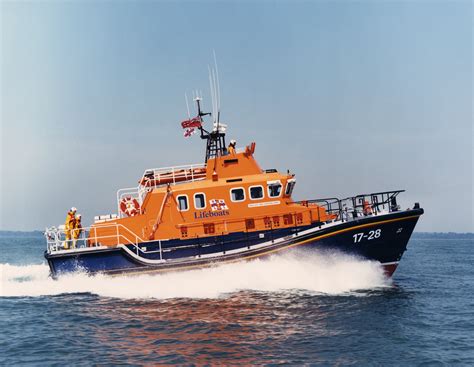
x=367 y=209
x=231 y=148
x=393 y=204
x=69 y=225
x=76 y=232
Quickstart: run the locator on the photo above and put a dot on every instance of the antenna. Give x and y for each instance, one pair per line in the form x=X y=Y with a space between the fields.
x=216 y=107
x=215 y=145
x=187 y=105
x=215 y=94
x=218 y=88
x=211 y=85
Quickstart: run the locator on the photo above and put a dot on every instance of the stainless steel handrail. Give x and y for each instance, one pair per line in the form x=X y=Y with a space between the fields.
x=56 y=239
x=175 y=173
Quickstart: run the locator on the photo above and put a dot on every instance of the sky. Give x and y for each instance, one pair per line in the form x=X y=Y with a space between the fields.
x=351 y=96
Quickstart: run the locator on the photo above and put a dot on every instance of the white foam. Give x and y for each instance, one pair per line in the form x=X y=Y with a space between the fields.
x=322 y=273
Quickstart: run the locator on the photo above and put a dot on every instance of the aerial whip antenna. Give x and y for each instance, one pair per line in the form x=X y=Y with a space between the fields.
x=216 y=98
x=216 y=106
x=213 y=92
x=218 y=88
x=187 y=105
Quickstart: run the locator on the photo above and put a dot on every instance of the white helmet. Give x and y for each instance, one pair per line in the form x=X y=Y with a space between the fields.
x=73 y=209
x=78 y=216
x=233 y=142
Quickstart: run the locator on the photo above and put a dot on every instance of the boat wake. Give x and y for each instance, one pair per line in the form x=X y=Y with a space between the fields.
x=328 y=273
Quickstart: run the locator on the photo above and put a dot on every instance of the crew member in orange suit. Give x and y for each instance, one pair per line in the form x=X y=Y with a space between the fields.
x=367 y=208
x=76 y=232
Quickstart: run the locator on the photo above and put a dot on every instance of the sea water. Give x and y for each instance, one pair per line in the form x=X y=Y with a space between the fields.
x=300 y=308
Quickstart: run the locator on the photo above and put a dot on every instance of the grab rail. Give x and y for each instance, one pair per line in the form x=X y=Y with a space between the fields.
x=174 y=173
x=56 y=238
x=156 y=177
x=359 y=205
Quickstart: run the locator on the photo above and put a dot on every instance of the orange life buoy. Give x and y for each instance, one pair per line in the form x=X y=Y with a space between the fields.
x=129 y=206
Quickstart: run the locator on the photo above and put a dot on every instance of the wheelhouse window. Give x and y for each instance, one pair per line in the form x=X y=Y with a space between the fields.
x=237 y=194
x=256 y=192
x=289 y=187
x=199 y=201
x=183 y=202
x=274 y=189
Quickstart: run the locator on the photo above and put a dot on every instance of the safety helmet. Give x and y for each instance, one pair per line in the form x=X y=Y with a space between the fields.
x=78 y=216
x=233 y=142
x=73 y=209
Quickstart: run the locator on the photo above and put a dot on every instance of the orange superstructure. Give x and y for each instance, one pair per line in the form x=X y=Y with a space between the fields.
x=235 y=195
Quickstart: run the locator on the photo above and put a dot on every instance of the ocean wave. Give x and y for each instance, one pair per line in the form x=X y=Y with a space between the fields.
x=324 y=273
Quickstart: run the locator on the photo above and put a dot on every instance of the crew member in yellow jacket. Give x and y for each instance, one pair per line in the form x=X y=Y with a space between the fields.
x=69 y=225
x=231 y=148
x=76 y=232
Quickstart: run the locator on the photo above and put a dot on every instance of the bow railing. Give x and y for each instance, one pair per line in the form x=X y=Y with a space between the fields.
x=358 y=206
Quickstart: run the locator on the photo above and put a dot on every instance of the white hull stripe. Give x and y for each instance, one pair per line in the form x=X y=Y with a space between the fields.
x=139 y=258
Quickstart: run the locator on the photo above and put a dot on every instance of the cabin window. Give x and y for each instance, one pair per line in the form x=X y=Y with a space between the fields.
x=237 y=194
x=274 y=189
x=256 y=192
x=199 y=201
x=183 y=203
x=289 y=188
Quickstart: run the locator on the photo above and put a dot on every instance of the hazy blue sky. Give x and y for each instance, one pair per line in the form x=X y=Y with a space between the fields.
x=354 y=97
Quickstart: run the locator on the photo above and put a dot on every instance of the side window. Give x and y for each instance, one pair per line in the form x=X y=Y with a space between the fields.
x=274 y=189
x=237 y=194
x=199 y=201
x=183 y=202
x=289 y=187
x=256 y=192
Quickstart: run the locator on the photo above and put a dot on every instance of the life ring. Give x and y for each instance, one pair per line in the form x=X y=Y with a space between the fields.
x=129 y=206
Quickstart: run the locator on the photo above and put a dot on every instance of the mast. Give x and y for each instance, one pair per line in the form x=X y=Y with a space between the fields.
x=215 y=139
x=215 y=144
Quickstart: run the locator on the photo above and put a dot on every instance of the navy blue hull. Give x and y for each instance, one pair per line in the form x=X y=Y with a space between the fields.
x=382 y=238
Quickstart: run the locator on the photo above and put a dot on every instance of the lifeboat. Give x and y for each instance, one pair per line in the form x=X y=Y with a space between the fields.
x=224 y=210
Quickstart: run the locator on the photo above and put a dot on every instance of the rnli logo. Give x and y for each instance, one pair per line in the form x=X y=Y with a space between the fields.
x=218 y=209
x=218 y=204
